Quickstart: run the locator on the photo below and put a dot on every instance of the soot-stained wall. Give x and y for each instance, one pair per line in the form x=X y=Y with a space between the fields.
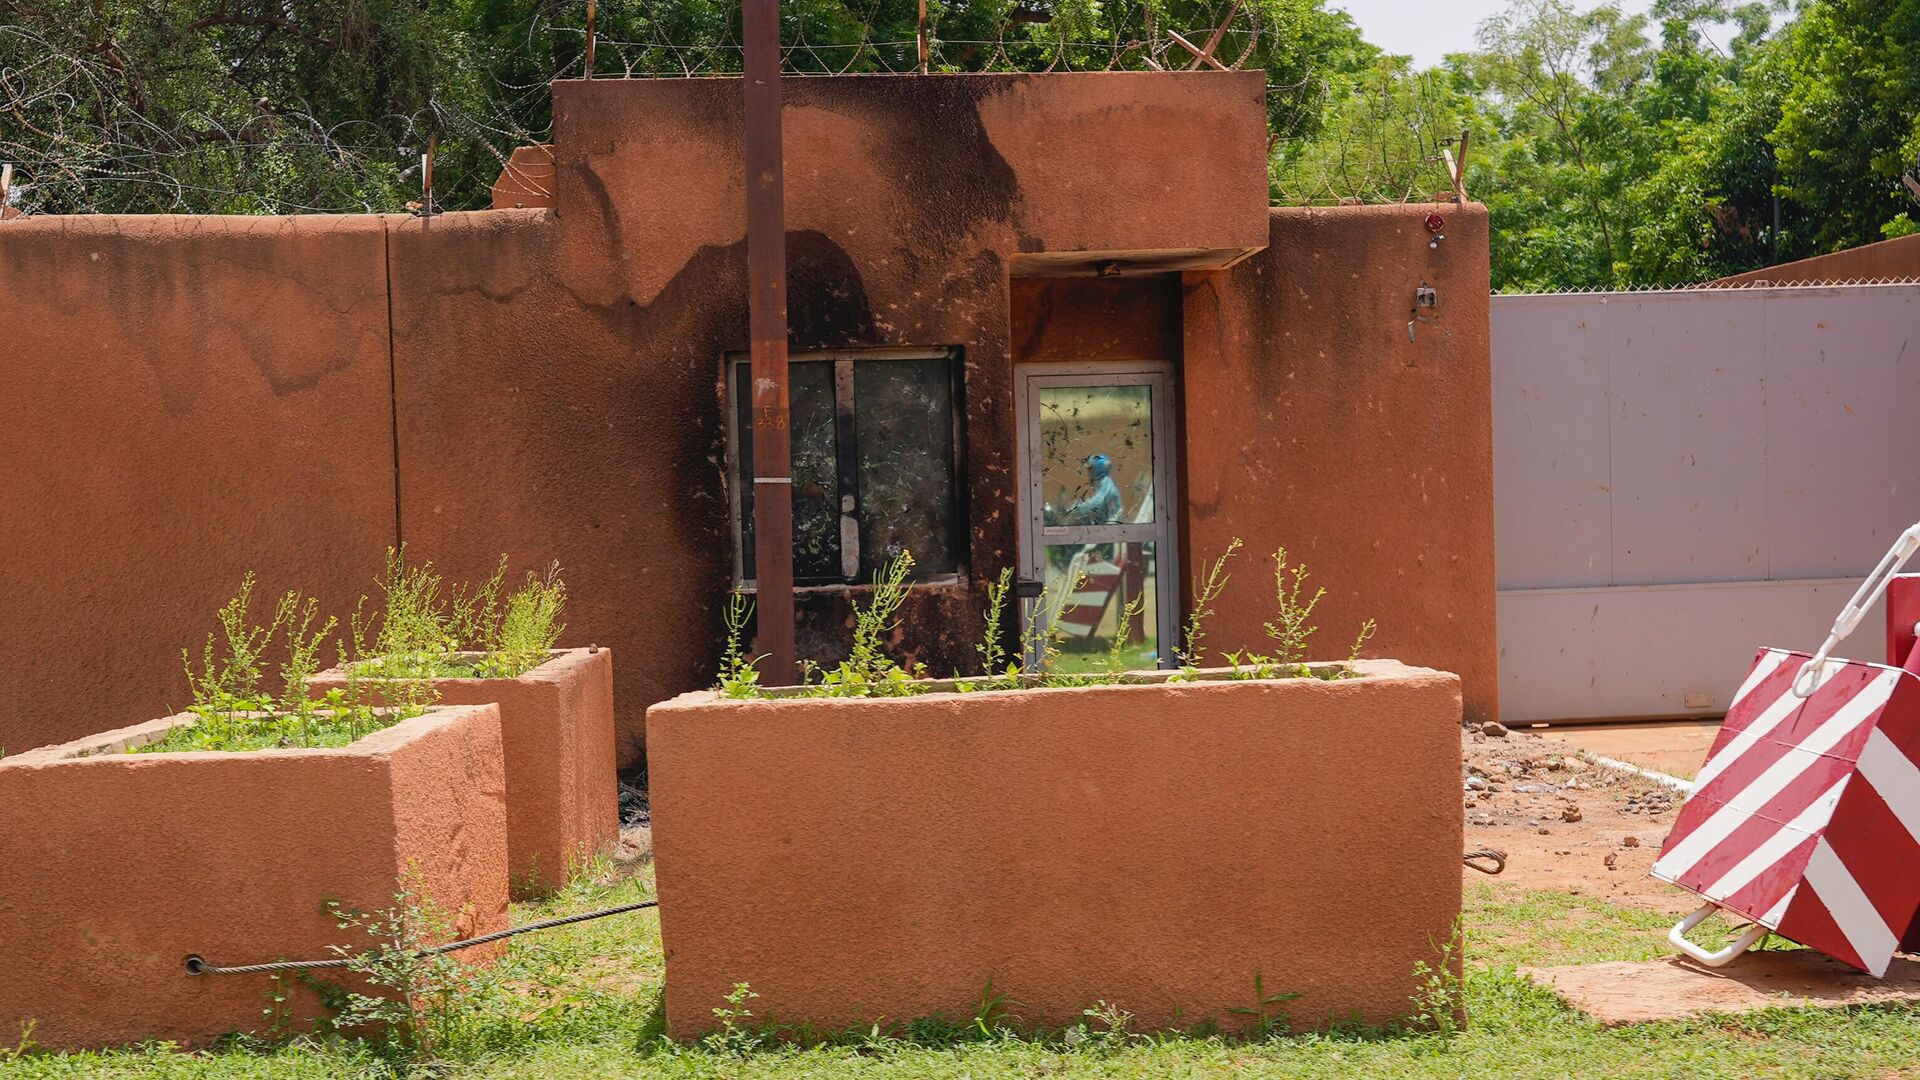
x=559 y=379
x=196 y=397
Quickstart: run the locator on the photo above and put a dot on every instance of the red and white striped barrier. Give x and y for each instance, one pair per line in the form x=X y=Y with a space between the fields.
x=1805 y=818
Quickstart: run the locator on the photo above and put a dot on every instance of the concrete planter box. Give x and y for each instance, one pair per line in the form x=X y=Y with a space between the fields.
x=115 y=867
x=1153 y=845
x=557 y=723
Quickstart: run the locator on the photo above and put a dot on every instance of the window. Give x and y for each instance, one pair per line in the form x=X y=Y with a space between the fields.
x=876 y=464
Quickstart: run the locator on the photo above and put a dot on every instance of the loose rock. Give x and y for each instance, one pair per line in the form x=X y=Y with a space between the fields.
x=1494 y=728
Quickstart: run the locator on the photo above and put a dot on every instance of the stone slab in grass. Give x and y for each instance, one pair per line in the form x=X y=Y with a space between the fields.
x=1675 y=989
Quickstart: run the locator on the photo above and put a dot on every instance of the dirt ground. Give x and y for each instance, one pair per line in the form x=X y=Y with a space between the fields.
x=1674 y=747
x=1565 y=824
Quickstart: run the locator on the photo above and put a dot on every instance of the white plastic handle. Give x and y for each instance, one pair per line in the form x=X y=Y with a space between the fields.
x=1677 y=937
x=1863 y=598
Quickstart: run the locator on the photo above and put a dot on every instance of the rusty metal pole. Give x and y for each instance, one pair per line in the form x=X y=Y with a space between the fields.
x=923 y=37
x=767 y=329
x=588 y=73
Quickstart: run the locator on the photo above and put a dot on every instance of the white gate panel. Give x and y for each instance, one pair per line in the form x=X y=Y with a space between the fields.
x=1636 y=651
x=1552 y=522
x=1681 y=477
x=1687 y=375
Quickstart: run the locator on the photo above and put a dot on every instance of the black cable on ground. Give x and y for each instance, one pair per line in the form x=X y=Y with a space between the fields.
x=198 y=966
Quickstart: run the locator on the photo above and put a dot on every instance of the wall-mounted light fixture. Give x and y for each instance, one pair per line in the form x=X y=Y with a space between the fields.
x=1425 y=298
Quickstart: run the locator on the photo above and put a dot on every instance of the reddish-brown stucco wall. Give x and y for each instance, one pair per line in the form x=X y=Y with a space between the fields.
x=885 y=859
x=1896 y=258
x=1311 y=421
x=1083 y=319
x=186 y=398
x=211 y=395
x=559 y=377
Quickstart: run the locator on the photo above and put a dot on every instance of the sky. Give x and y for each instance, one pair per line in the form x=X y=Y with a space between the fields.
x=1428 y=30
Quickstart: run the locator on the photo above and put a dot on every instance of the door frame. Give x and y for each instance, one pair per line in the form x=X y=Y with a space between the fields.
x=1164 y=533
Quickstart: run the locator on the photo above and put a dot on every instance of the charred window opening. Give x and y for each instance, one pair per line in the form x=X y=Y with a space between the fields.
x=876 y=464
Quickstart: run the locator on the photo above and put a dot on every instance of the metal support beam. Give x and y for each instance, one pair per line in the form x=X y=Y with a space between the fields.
x=767 y=330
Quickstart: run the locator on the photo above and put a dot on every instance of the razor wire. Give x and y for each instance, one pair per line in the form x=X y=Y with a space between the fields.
x=79 y=123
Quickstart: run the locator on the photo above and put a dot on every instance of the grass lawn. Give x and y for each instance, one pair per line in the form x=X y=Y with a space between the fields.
x=584 y=1001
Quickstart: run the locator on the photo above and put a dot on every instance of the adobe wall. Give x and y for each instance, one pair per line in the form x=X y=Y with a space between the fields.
x=186 y=398
x=1314 y=423
x=559 y=387
x=203 y=395
x=1896 y=258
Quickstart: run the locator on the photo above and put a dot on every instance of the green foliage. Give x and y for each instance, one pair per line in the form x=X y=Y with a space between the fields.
x=418 y=1004
x=868 y=671
x=1267 y=1017
x=992 y=647
x=233 y=708
x=1116 y=662
x=1206 y=589
x=586 y=1000
x=424 y=630
x=739 y=675
x=1041 y=634
x=1105 y=1029
x=1439 y=994
x=1616 y=150
x=737 y=1034
x=1292 y=625
x=527 y=629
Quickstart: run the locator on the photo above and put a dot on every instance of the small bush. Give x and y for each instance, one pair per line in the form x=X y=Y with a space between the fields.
x=869 y=672
x=235 y=710
x=425 y=630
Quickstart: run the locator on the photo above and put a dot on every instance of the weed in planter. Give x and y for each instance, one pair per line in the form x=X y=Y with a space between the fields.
x=527 y=628
x=739 y=674
x=1123 y=630
x=1360 y=642
x=1042 y=636
x=1290 y=628
x=425 y=631
x=992 y=647
x=869 y=672
x=234 y=711
x=1205 y=591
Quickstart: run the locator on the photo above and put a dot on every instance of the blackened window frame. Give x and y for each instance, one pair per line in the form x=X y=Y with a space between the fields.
x=846 y=454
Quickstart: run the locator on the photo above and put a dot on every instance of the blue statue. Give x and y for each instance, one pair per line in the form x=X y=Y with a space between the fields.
x=1102 y=505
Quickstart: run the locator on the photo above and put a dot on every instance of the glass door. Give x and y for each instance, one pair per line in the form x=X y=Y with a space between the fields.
x=1098 y=513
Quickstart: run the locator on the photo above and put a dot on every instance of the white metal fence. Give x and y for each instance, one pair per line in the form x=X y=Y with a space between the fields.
x=1683 y=476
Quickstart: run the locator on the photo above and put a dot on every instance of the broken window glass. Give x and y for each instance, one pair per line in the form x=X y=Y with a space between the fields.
x=875 y=465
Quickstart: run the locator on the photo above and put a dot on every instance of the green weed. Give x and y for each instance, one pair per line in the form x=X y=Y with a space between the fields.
x=1206 y=589
x=235 y=710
